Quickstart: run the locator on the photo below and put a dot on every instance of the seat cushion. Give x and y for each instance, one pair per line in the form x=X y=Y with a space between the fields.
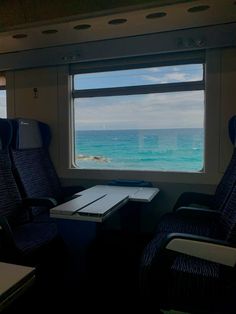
x=193 y=282
x=180 y=280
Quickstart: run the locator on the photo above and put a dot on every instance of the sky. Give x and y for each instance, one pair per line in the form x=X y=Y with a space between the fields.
x=3 y=113
x=146 y=111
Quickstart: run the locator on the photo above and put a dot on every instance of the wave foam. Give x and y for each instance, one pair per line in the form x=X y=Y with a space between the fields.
x=93 y=158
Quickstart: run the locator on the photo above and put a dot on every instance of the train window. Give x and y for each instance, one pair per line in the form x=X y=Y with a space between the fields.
x=140 y=119
x=3 y=98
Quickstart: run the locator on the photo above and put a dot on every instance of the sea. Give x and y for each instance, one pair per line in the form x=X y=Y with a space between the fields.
x=145 y=149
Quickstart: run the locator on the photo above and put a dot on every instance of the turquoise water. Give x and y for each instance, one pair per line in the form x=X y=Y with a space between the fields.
x=159 y=149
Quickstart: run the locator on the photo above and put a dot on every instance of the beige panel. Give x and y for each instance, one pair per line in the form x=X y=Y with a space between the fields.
x=212 y=107
x=228 y=106
x=64 y=113
x=41 y=104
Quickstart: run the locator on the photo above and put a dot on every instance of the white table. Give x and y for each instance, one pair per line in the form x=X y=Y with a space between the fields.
x=99 y=202
x=14 y=280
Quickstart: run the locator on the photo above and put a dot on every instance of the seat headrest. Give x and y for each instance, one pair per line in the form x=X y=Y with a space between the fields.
x=28 y=133
x=232 y=130
x=5 y=133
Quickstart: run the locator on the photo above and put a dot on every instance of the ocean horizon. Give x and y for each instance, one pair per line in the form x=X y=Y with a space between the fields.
x=140 y=149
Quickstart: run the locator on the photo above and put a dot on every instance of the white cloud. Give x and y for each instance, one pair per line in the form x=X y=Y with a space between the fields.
x=170 y=78
x=153 y=111
x=168 y=74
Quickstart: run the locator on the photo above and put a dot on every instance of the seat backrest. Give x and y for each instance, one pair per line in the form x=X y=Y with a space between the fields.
x=21 y=237
x=32 y=166
x=10 y=198
x=228 y=218
x=228 y=180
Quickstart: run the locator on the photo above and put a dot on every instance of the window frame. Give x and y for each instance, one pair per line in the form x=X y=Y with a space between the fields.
x=136 y=63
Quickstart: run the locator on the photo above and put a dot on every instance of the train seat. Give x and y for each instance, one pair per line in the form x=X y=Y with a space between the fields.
x=34 y=171
x=193 y=268
x=21 y=238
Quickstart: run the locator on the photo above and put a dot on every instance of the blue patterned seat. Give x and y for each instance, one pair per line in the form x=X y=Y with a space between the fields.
x=32 y=165
x=189 y=264
x=20 y=237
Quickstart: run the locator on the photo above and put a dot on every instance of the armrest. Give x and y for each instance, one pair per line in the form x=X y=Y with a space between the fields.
x=213 y=250
x=188 y=198
x=194 y=211
x=39 y=202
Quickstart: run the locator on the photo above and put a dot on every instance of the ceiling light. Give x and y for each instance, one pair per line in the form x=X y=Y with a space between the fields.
x=19 y=36
x=49 y=31
x=82 y=26
x=117 y=21
x=198 y=8
x=156 y=15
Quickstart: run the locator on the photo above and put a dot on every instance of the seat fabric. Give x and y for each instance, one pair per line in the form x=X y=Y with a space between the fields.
x=19 y=235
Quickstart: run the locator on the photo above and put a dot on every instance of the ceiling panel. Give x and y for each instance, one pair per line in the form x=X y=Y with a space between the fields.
x=34 y=24
x=16 y=13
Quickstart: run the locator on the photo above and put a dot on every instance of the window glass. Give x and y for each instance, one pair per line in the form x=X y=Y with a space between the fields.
x=140 y=132
x=143 y=76
x=140 y=128
x=3 y=104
